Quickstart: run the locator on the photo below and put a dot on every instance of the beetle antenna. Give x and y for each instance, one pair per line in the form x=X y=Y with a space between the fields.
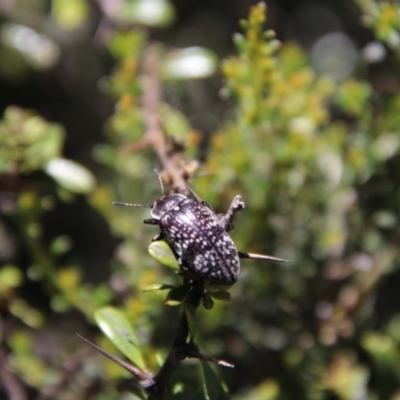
x=118 y=203
x=159 y=180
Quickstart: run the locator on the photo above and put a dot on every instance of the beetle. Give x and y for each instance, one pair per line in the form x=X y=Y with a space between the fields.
x=198 y=236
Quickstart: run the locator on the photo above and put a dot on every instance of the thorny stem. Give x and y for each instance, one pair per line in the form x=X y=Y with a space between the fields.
x=173 y=166
x=179 y=350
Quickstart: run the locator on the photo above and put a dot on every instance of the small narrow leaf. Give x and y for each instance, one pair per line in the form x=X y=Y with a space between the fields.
x=214 y=388
x=222 y=295
x=157 y=286
x=190 y=311
x=212 y=287
x=177 y=295
x=116 y=327
x=161 y=252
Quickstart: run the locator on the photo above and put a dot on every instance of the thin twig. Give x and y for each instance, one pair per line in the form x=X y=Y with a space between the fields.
x=154 y=136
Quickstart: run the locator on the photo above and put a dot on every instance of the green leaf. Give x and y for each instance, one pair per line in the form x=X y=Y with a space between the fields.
x=161 y=252
x=70 y=14
x=10 y=277
x=214 y=388
x=222 y=295
x=157 y=286
x=116 y=327
x=127 y=44
x=177 y=295
x=60 y=245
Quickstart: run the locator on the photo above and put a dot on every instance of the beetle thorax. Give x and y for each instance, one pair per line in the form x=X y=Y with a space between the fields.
x=165 y=204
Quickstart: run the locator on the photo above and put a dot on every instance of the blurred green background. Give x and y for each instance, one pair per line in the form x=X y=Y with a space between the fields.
x=304 y=124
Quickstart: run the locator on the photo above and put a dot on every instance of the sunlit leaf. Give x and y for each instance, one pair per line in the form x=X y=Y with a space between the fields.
x=116 y=327
x=71 y=175
x=161 y=252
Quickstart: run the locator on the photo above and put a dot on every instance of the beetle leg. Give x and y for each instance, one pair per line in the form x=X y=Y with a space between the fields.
x=260 y=257
x=152 y=221
x=159 y=236
x=226 y=220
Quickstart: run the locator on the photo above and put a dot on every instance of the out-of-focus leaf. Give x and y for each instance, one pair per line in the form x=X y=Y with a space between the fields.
x=28 y=142
x=161 y=252
x=267 y=390
x=214 y=388
x=38 y=50
x=10 y=277
x=26 y=313
x=127 y=44
x=176 y=124
x=382 y=348
x=70 y=14
x=61 y=245
x=71 y=175
x=352 y=96
x=346 y=377
x=69 y=278
x=190 y=63
x=116 y=327
x=154 y=13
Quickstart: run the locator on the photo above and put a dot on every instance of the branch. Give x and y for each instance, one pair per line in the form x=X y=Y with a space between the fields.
x=179 y=350
x=167 y=152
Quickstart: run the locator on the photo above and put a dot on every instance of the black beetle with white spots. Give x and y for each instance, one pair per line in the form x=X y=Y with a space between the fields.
x=199 y=237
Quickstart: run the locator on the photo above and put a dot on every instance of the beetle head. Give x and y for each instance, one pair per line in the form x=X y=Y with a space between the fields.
x=165 y=204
